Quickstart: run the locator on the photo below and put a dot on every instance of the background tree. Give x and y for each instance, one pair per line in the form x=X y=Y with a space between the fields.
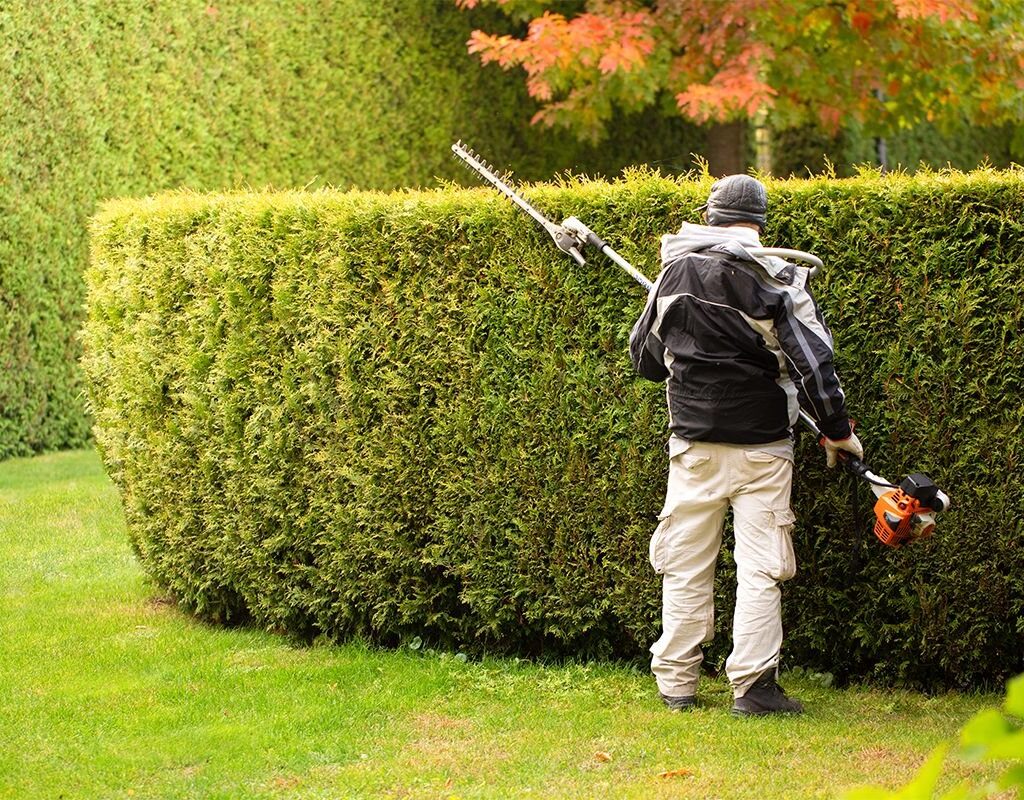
x=885 y=64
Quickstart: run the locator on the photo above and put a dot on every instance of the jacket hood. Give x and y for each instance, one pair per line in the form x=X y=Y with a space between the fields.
x=733 y=241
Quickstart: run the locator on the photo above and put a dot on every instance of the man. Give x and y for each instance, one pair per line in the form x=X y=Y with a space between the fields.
x=742 y=345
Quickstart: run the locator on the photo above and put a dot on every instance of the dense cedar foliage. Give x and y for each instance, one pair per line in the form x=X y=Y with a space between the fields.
x=399 y=415
x=114 y=97
x=887 y=64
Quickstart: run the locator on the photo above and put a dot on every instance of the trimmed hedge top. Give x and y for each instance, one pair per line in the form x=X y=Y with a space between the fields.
x=393 y=415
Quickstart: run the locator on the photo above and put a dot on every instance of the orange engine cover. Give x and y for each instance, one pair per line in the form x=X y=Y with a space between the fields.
x=897 y=519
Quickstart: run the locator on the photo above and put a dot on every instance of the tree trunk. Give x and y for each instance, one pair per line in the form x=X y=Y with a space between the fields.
x=763 y=142
x=727 y=148
x=882 y=154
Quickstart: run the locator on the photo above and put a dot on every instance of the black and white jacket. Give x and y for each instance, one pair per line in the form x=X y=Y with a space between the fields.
x=740 y=340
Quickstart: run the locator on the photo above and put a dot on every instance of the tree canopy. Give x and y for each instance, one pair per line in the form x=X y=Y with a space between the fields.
x=887 y=64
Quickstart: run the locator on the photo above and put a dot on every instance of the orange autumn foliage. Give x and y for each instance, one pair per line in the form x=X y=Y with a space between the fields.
x=884 y=63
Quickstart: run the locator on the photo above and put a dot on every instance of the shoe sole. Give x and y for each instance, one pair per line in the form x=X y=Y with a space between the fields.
x=738 y=712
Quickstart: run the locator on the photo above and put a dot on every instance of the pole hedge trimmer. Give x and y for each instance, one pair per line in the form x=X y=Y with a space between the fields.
x=903 y=512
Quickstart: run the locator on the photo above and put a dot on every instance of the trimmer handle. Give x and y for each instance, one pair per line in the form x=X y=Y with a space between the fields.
x=849 y=462
x=584 y=233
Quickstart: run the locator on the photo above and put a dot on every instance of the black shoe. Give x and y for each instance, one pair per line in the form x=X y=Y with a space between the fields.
x=679 y=703
x=765 y=697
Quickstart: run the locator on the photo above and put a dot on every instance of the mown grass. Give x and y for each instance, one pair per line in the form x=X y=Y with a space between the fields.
x=106 y=691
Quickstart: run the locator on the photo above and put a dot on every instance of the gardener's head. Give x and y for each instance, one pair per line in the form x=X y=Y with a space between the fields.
x=737 y=199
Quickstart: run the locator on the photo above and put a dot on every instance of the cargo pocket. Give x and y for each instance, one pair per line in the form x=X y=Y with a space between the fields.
x=782 y=540
x=659 y=545
x=681 y=452
x=693 y=462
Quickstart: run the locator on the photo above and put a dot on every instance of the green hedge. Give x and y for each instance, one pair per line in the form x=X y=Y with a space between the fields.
x=400 y=415
x=105 y=98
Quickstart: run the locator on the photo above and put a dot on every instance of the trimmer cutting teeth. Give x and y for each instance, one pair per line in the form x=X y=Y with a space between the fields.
x=564 y=240
x=903 y=513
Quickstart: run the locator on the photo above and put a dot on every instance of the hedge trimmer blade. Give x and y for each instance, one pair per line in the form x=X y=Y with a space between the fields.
x=564 y=239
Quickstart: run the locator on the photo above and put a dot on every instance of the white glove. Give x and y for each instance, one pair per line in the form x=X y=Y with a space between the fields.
x=851 y=445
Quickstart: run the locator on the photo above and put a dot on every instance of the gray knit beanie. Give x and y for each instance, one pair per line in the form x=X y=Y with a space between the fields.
x=737 y=198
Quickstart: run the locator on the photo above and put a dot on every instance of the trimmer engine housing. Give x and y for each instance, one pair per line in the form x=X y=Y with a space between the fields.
x=904 y=514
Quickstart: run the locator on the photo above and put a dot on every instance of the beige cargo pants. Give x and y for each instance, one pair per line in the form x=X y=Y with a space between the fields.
x=705 y=479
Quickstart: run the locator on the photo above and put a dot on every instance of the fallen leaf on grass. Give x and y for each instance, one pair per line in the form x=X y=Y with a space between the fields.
x=674 y=773
x=602 y=757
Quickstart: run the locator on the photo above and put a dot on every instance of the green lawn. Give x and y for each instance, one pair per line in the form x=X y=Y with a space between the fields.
x=108 y=691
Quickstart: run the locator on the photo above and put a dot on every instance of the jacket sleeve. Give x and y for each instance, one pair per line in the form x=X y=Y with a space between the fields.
x=807 y=345
x=646 y=350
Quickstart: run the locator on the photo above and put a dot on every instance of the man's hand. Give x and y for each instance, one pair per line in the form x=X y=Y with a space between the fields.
x=850 y=445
